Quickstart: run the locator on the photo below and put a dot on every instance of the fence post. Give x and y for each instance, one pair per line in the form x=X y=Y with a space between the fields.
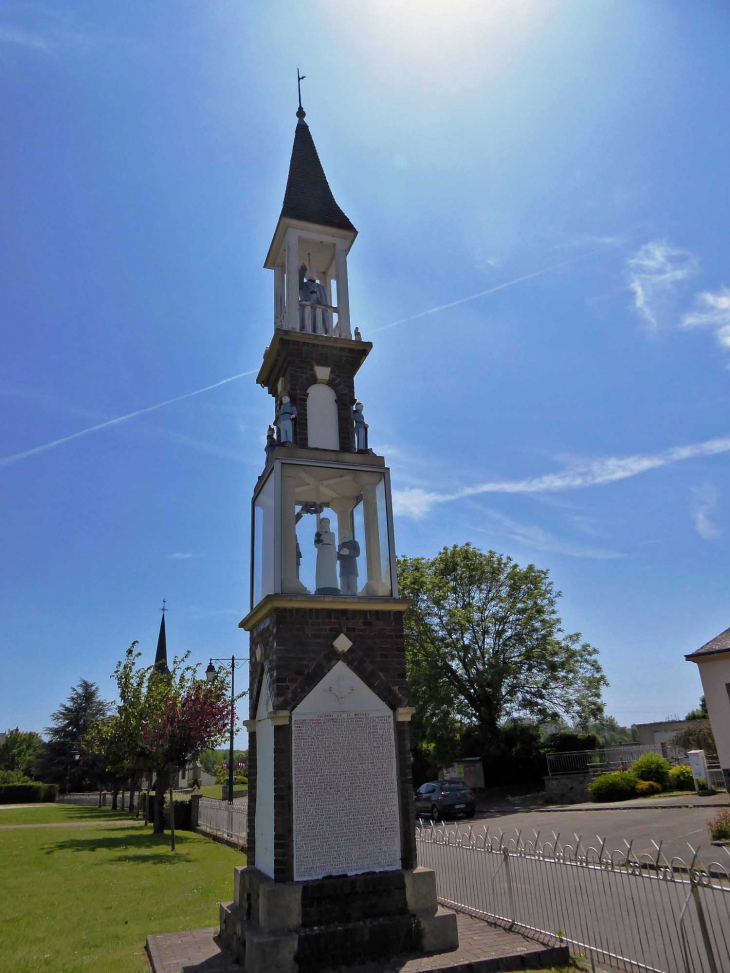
x=510 y=890
x=703 y=924
x=195 y=810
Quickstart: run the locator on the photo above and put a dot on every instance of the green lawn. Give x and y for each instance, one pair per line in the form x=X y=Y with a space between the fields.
x=84 y=899
x=57 y=812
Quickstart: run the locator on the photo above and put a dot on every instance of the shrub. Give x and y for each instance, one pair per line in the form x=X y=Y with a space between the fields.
x=613 y=787
x=720 y=826
x=681 y=779
x=646 y=787
x=652 y=766
x=27 y=793
x=566 y=741
x=702 y=784
x=183 y=815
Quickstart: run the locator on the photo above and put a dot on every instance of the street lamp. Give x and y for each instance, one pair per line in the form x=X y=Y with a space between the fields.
x=211 y=674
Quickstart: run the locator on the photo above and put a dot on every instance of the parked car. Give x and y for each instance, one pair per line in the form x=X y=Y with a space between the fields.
x=444 y=799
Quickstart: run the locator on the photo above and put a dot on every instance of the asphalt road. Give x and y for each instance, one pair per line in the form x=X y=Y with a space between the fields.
x=674 y=827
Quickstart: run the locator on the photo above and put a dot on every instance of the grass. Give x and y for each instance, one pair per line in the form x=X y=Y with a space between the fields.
x=57 y=813
x=212 y=790
x=77 y=900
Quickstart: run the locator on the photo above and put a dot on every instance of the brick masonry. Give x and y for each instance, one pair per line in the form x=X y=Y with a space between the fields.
x=296 y=356
x=291 y=650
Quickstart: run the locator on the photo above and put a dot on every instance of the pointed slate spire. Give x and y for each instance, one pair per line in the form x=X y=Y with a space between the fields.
x=308 y=196
x=161 y=654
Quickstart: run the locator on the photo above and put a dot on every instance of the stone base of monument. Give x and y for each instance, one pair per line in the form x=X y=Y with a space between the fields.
x=277 y=927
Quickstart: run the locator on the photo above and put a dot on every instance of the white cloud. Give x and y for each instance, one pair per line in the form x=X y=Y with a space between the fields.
x=703 y=507
x=653 y=273
x=535 y=538
x=180 y=556
x=416 y=502
x=19 y=37
x=712 y=311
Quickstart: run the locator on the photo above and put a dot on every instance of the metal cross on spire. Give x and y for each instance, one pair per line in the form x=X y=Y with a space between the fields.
x=300 y=111
x=164 y=609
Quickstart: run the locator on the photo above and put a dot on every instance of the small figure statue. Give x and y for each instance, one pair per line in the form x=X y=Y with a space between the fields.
x=358 y=336
x=270 y=440
x=347 y=554
x=285 y=420
x=361 y=429
x=326 y=574
x=312 y=292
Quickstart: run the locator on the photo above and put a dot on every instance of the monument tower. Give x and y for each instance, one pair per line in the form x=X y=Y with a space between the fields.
x=331 y=875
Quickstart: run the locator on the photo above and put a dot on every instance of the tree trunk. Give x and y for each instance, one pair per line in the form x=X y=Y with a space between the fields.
x=172 y=819
x=101 y=792
x=160 y=788
x=132 y=789
x=115 y=796
x=147 y=802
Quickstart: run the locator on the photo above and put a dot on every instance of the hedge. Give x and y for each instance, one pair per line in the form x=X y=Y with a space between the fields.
x=613 y=787
x=681 y=779
x=652 y=766
x=27 y=793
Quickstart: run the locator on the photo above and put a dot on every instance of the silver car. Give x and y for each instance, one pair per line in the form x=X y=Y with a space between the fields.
x=444 y=799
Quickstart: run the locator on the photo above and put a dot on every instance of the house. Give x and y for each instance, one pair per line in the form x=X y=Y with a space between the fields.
x=713 y=661
x=193 y=771
x=653 y=734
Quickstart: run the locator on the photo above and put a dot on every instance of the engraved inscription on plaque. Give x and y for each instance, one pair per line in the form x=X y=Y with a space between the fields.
x=345 y=794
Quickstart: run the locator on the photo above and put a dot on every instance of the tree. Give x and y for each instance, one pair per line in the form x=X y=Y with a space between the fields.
x=83 y=708
x=485 y=648
x=609 y=731
x=700 y=713
x=20 y=752
x=183 y=716
x=698 y=736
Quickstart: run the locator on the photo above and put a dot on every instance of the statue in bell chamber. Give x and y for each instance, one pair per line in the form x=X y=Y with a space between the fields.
x=285 y=417
x=347 y=554
x=361 y=429
x=270 y=440
x=312 y=292
x=326 y=572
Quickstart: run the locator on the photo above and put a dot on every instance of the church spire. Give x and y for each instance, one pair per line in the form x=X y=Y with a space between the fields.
x=161 y=654
x=308 y=196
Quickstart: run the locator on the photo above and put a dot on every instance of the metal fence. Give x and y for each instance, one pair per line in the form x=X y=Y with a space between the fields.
x=88 y=798
x=606 y=759
x=222 y=818
x=642 y=913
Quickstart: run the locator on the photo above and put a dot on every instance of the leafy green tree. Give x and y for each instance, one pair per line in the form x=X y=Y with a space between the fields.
x=60 y=762
x=698 y=736
x=21 y=751
x=609 y=731
x=485 y=648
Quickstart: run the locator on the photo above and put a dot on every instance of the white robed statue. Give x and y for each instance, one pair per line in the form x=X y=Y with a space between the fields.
x=326 y=544
x=312 y=292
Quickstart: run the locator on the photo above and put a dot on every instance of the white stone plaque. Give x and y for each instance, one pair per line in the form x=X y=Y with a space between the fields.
x=346 y=817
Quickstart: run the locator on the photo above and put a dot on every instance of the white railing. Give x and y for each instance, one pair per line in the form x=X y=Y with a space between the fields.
x=222 y=818
x=643 y=913
x=606 y=759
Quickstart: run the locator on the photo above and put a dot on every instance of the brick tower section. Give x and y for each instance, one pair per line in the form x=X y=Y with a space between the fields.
x=295 y=650
x=289 y=367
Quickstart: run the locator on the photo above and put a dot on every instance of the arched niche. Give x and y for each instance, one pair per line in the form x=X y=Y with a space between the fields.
x=322 y=424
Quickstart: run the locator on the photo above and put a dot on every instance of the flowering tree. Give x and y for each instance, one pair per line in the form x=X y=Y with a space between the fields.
x=184 y=716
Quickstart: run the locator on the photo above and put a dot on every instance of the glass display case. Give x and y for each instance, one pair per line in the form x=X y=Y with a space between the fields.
x=322 y=530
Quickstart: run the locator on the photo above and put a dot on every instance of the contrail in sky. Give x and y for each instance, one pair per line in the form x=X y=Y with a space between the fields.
x=490 y=290
x=8 y=460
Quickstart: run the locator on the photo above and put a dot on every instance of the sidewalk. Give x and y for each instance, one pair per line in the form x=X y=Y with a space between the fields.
x=643 y=804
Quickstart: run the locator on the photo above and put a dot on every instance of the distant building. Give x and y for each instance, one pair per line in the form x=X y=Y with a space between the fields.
x=652 y=734
x=713 y=661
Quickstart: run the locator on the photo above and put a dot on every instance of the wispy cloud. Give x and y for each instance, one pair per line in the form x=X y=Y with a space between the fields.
x=704 y=502
x=180 y=556
x=36 y=450
x=489 y=290
x=535 y=538
x=653 y=273
x=712 y=310
x=20 y=37
x=417 y=502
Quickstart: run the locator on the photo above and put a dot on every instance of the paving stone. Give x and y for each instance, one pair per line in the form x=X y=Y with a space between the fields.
x=483 y=948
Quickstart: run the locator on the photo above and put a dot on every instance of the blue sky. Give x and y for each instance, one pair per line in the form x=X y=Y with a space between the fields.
x=541 y=191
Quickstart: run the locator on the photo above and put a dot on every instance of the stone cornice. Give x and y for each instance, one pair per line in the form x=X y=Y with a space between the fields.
x=271 y=603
